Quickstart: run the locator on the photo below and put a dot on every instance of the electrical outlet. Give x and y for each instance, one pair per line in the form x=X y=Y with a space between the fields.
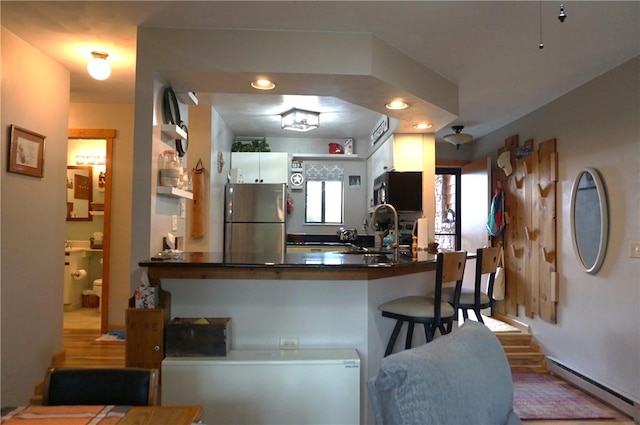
x=289 y=343
x=634 y=249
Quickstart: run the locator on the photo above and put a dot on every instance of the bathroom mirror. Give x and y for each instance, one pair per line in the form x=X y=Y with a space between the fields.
x=589 y=219
x=79 y=192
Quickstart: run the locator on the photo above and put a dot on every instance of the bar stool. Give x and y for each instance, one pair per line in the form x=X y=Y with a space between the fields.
x=430 y=310
x=474 y=299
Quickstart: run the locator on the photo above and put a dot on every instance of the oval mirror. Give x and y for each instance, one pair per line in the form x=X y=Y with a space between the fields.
x=589 y=219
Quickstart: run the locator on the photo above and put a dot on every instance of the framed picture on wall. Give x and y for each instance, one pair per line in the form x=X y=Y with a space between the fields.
x=26 y=152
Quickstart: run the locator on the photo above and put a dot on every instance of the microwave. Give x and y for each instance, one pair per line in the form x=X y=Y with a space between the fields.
x=402 y=189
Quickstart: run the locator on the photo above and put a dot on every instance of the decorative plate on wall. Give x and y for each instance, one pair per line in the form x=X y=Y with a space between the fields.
x=183 y=144
x=220 y=162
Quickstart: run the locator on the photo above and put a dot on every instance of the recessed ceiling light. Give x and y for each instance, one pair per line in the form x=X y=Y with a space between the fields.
x=263 y=84
x=422 y=126
x=396 y=105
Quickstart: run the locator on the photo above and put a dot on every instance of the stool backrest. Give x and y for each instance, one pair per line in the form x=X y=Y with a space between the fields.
x=98 y=386
x=453 y=264
x=449 y=268
x=486 y=263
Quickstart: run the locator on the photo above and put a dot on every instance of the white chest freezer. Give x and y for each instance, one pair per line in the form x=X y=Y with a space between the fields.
x=279 y=387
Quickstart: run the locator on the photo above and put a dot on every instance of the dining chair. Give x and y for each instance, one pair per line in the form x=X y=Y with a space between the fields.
x=429 y=310
x=98 y=386
x=475 y=299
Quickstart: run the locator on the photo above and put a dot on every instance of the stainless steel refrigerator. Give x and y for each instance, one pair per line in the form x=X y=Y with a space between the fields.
x=255 y=222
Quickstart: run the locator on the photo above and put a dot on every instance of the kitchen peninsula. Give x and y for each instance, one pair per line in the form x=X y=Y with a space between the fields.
x=324 y=299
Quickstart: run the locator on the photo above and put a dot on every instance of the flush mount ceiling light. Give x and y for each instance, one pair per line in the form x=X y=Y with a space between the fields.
x=98 y=66
x=397 y=105
x=422 y=126
x=263 y=84
x=300 y=120
x=458 y=138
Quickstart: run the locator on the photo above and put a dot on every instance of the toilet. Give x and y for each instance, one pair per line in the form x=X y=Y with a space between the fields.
x=97 y=290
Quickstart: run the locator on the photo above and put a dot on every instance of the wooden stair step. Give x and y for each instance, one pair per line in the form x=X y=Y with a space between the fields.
x=522 y=351
x=530 y=357
x=519 y=349
x=514 y=338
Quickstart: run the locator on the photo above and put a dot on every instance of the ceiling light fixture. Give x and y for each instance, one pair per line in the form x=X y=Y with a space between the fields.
x=300 y=120
x=458 y=138
x=263 y=84
x=396 y=105
x=91 y=159
x=98 y=66
x=422 y=126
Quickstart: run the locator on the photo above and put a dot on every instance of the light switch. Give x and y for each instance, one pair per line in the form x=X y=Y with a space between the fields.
x=174 y=223
x=183 y=208
x=634 y=249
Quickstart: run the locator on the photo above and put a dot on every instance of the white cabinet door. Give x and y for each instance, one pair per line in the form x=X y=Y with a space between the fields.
x=407 y=152
x=248 y=166
x=261 y=167
x=274 y=167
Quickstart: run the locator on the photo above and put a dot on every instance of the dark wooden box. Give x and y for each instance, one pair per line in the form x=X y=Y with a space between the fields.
x=187 y=337
x=90 y=301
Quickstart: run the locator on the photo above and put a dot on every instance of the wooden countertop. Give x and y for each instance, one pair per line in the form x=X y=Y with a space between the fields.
x=300 y=266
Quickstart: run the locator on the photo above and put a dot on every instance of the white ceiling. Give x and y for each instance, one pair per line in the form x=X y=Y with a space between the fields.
x=488 y=49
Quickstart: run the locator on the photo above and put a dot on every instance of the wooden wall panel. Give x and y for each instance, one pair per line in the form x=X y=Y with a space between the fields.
x=529 y=238
x=509 y=304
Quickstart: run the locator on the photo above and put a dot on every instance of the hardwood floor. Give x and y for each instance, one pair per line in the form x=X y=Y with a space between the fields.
x=82 y=349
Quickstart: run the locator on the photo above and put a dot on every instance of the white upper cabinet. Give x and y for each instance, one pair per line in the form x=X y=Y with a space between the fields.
x=261 y=167
x=407 y=152
x=400 y=152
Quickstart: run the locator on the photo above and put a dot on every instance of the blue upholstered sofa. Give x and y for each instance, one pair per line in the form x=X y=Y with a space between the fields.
x=462 y=378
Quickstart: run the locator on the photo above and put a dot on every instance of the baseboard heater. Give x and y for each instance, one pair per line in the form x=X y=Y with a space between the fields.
x=613 y=398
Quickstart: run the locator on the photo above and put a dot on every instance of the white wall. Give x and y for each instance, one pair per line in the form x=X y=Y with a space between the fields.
x=120 y=118
x=596 y=125
x=32 y=220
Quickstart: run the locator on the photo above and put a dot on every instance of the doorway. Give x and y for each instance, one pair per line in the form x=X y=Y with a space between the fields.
x=106 y=136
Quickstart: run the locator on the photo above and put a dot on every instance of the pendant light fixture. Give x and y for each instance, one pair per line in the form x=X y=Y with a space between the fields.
x=98 y=66
x=458 y=138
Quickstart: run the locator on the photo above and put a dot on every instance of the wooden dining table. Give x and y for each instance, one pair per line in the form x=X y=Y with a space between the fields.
x=101 y=415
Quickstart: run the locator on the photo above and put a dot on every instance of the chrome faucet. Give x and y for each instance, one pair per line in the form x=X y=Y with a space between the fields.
x=394 y=245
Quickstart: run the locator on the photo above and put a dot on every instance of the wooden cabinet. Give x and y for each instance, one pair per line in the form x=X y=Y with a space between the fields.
x=144 y=342
x=261 y=167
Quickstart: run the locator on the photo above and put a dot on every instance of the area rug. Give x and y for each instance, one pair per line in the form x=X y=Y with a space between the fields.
x=537 y=396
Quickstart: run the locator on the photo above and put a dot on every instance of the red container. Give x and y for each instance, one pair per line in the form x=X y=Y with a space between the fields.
x=336 y=148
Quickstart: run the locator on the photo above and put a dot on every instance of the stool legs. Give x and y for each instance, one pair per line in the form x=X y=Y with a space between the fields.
x=409 y=340
x=394 y=337
x=429 y=333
